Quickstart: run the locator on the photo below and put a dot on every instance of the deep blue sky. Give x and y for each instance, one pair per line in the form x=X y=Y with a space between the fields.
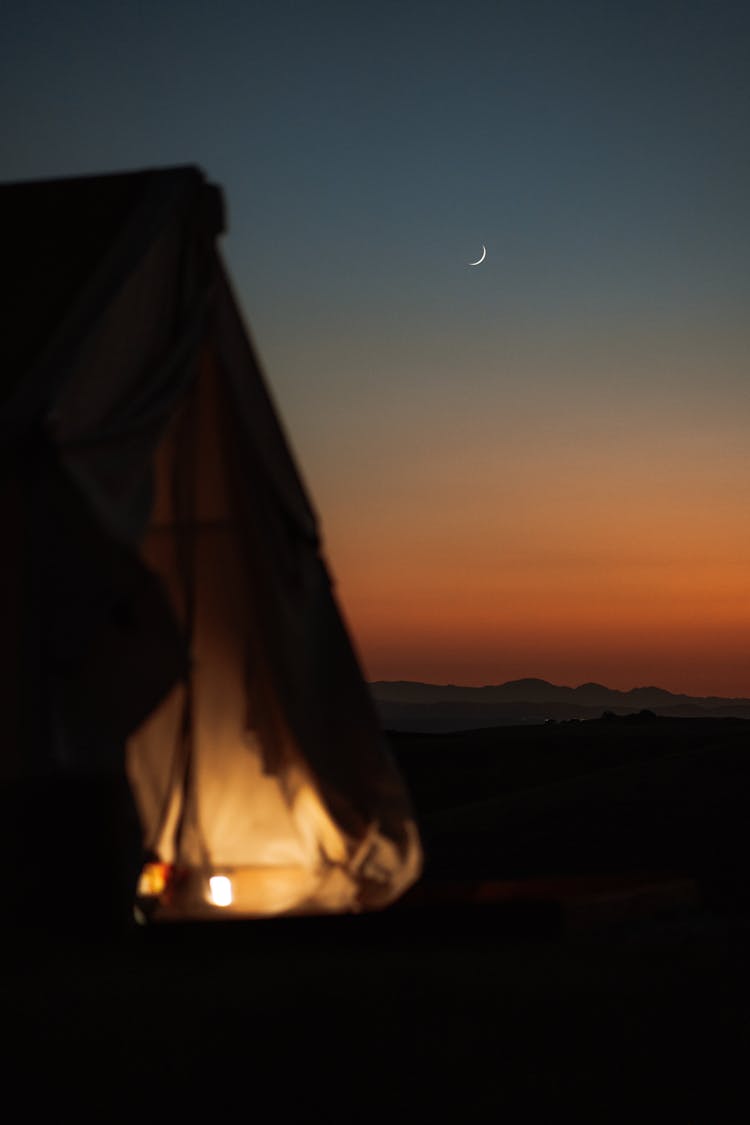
x=593 y=370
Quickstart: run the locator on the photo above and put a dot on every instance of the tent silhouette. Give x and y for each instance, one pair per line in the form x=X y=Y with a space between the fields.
x=164 y=587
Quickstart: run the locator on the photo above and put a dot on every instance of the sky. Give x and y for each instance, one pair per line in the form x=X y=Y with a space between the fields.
x=534 y=467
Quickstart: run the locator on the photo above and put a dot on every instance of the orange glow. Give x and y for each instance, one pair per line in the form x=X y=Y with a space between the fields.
x=153 y=879
x=620 y=555
x=315 y=827
x=253 y=834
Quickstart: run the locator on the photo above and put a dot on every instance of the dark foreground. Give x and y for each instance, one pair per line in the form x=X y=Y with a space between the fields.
x=578 y=1001
x=638 y=794
x=353 y=1024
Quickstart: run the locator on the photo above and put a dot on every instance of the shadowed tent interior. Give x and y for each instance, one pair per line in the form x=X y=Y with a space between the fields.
x=164 y=589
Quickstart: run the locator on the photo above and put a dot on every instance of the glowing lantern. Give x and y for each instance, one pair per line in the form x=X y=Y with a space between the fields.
x=154 y=879
x=221 y=890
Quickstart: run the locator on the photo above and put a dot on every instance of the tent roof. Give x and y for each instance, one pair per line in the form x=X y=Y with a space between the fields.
x=67 y=241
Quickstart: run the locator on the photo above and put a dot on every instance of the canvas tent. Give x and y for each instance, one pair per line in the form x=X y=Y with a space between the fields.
x=164 y=595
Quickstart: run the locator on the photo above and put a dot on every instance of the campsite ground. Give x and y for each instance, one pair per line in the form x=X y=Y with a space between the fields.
x=356 y=1027
x=638 y=794
x=429 y=1012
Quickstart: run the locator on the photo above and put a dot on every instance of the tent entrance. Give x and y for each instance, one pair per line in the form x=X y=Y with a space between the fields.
x=227 y=799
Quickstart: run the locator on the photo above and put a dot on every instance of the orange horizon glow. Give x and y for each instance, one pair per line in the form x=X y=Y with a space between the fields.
x=624 y=634
x=621 y=559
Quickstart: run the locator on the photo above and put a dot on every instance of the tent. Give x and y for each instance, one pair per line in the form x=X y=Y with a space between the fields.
x=164 y=598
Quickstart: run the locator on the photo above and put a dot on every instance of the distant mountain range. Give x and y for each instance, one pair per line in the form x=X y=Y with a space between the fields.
x=413 y=706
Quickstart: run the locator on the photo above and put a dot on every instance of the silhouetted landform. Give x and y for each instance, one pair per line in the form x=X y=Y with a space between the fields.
x=413 y=706
x=642 y=793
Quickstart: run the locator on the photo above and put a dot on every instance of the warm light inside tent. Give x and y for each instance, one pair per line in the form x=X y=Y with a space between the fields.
x=316 y=829
x=220 y=890
x=153 y=879
x=253 y=828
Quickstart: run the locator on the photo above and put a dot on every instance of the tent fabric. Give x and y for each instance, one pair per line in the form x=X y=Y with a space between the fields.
x=173 y=590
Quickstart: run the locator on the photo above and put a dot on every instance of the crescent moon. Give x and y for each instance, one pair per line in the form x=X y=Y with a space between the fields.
x=480 y=260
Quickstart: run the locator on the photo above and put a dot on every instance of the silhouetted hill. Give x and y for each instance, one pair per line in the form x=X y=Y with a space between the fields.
x=413 y=706
x=637 y=794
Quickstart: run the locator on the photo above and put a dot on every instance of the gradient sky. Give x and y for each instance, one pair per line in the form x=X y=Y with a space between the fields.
x=538 y=467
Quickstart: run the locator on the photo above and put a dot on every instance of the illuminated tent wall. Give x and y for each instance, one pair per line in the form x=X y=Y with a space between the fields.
x=187 y=611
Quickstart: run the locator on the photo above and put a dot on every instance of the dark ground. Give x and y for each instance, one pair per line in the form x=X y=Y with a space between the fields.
x=450 y=1011
x=638 y=794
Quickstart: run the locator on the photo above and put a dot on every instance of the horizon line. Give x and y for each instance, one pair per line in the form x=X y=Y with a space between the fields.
x=551 y=683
